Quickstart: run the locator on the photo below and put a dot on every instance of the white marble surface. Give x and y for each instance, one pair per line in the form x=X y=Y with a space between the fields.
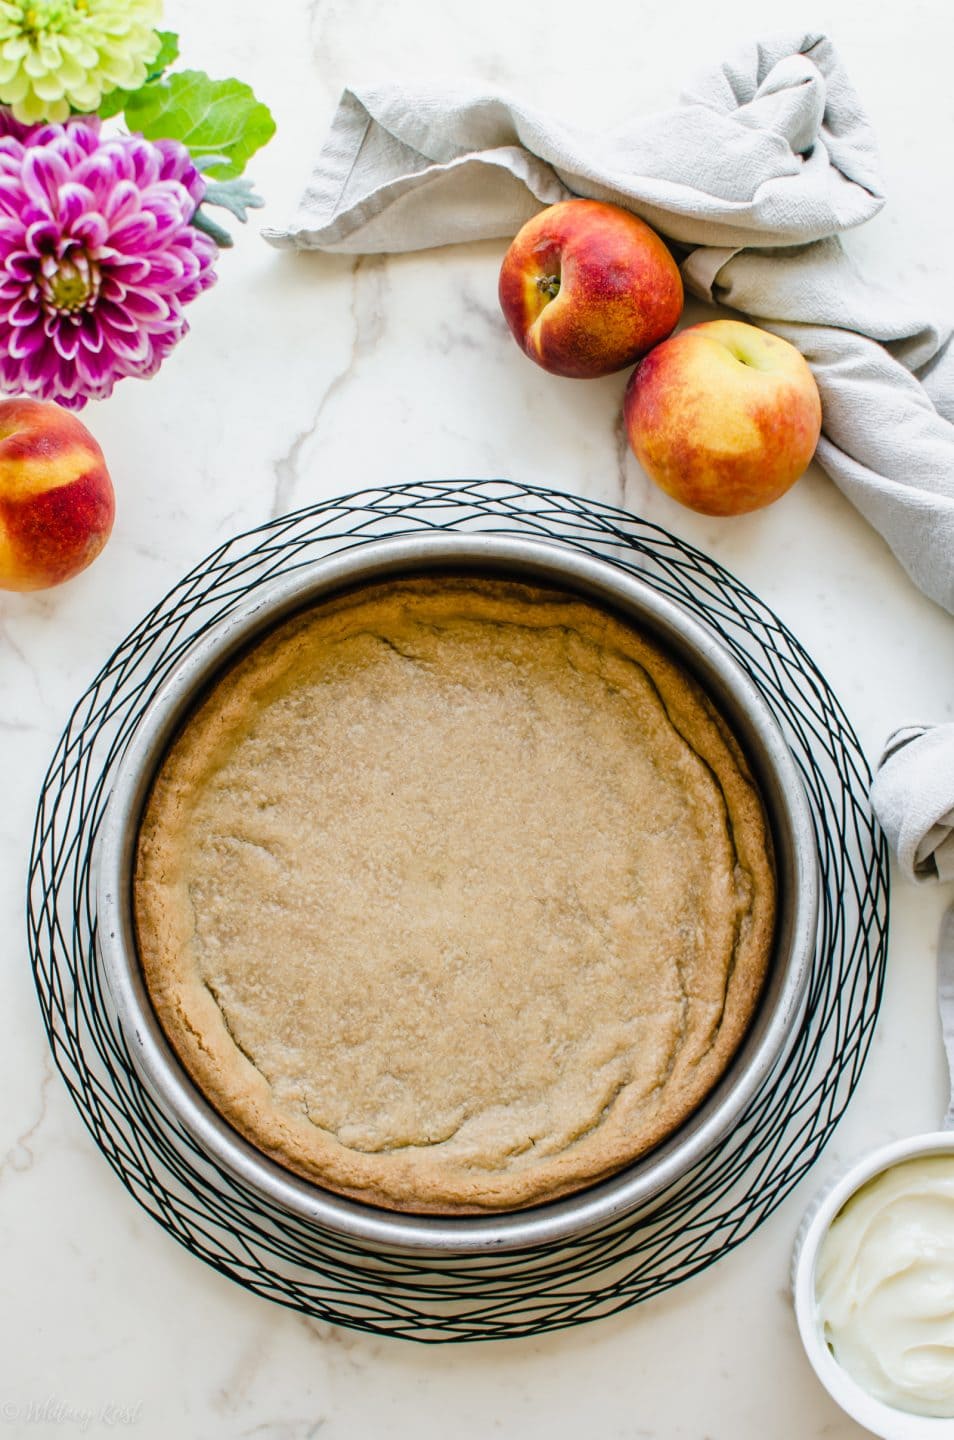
x=307 y=377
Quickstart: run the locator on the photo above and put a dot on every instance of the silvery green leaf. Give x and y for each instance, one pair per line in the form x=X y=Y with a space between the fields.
x=237 y=196
x=205 y=162
x=201 y=221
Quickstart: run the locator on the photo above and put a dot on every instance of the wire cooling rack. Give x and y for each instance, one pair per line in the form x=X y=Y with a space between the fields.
x=473 y=1297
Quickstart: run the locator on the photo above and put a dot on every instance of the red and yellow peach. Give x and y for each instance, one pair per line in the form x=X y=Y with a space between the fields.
x=587 y=288
x=56 y=497
x=724 y=417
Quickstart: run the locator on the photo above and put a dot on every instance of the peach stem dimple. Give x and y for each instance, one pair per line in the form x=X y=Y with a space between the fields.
x=747 y=359
x=549 y=285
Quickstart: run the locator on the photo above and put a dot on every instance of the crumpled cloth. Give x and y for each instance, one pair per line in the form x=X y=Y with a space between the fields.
x=752 y=177
x=913 y=798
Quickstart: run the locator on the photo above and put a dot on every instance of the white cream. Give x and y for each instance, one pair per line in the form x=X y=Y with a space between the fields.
x=885 y=1286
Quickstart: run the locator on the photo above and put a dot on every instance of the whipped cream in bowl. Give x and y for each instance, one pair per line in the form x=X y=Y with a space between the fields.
x=873 y=1284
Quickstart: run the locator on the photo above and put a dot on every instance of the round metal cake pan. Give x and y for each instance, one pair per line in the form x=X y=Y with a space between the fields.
x=701 y=652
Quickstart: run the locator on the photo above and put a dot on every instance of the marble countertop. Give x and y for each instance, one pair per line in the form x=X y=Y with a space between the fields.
x=306 y=377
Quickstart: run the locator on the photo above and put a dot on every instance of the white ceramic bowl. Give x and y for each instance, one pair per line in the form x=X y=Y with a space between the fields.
x=875 y=1415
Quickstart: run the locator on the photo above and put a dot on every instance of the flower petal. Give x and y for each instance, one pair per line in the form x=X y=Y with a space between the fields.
x=43 y=173
x=24 y=312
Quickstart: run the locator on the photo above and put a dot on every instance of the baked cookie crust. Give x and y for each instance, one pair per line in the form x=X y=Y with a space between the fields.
x=454 y=895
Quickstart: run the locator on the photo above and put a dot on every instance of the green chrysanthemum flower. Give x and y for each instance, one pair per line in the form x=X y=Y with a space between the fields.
x=58 y=55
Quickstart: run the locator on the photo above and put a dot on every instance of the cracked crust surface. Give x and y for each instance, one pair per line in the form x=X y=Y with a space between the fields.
x=454 y=895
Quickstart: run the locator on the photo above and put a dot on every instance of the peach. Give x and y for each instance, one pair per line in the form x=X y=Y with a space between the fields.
x=587 y=288
x=724 y=417
x=56 y=497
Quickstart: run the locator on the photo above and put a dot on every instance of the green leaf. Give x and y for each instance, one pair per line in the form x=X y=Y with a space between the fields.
x=219 y=234
x=210 y=117
x=237 y=196
x=117 y=100
x=168 y=51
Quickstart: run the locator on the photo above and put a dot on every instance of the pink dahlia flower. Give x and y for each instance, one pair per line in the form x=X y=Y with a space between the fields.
x=97 y=257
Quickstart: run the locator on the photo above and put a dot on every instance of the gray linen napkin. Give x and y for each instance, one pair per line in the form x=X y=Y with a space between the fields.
x=764 y=161
x=913 y=797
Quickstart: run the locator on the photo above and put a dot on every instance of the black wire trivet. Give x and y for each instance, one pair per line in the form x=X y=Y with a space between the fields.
x=473 y=1297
